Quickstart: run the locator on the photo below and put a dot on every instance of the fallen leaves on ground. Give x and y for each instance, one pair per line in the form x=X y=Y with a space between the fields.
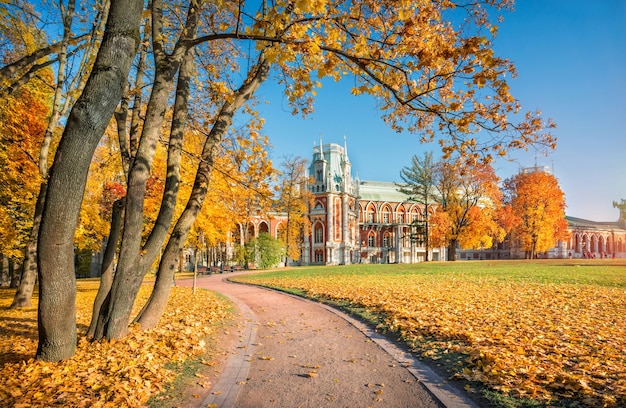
x=125 y=372
x=546 y=341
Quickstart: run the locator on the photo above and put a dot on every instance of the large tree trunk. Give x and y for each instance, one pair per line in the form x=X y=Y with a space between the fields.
x=25 y=289
x=167 y=265
x=85 y=126
x=106 y=272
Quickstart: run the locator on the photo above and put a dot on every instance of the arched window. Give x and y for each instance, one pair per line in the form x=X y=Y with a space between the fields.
x=319 y=234
x=371 y=240
x=387 y=240
x=414 y=216
x=370 y=214
x=386 y=215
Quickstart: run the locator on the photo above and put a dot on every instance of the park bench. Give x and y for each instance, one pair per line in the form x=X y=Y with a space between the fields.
x=216 y=269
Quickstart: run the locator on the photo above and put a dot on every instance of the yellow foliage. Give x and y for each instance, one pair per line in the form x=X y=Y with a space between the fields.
x=118 y=373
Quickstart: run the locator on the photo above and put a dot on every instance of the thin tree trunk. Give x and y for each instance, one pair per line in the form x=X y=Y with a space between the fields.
x=85 y=127
x=25 y=289
x=106 y=272
x=452 y=251
x=14 y=271
x=153 y=311
x=195 y=269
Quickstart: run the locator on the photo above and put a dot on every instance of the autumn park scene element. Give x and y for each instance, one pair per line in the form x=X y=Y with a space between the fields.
x=131 y=128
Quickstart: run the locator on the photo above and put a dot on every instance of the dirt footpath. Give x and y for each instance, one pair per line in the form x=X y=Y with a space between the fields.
x=289 y=352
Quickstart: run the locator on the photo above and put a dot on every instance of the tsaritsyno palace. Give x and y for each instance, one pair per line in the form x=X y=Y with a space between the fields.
x=355 y=221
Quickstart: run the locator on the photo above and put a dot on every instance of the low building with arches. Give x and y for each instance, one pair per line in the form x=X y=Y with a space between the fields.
x=592 y=239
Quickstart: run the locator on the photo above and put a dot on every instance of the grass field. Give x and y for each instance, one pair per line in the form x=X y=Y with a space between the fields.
x=524 y=333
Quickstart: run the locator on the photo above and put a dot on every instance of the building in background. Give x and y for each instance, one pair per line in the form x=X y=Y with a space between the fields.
x=355 y=221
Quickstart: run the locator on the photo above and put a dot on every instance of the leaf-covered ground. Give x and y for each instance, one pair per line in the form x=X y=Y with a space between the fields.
x=551 y=332
x=119 y=373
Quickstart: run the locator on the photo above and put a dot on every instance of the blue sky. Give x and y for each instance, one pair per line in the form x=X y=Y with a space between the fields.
x=571 y=58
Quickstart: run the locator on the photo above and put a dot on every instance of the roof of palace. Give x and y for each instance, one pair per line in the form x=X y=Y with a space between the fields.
x=381 y=191
x=582 y=223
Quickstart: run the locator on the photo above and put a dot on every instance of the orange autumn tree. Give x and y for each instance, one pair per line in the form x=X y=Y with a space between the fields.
x=23 y=120
x=470 y=196
x=482 y=229
x=438 y=226
x=538 y=202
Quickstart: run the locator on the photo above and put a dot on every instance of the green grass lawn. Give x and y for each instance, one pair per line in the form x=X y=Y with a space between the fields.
x=524 y=333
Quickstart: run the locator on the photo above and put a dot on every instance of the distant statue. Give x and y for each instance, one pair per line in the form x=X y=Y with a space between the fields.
x=622 y=210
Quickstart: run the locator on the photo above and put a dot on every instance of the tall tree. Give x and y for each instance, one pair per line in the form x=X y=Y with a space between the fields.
x=293 y=200
x=85 y=126
x=469 y=195
x=539 y=204
x=419 y=184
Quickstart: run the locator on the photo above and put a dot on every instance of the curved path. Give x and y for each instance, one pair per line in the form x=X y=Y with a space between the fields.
x=292 y=352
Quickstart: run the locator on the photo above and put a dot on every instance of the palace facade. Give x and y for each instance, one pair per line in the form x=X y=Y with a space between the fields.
x=355 y=221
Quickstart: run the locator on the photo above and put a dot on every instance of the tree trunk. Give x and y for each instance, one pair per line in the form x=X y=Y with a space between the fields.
x=85 y=126
x=14 y=274
x=452 y=250
x=135 y=261
x=24 y=291
x=106 y=272
x=4 y=270
x=153 y=310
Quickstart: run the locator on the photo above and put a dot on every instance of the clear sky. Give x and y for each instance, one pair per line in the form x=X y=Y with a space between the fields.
x=571 y=58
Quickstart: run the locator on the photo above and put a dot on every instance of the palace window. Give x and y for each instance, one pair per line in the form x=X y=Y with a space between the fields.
x=387 y=241
x=319 y=235
x=371 y=241
x=370 y=216
x=319 y=257
x=386 y=217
